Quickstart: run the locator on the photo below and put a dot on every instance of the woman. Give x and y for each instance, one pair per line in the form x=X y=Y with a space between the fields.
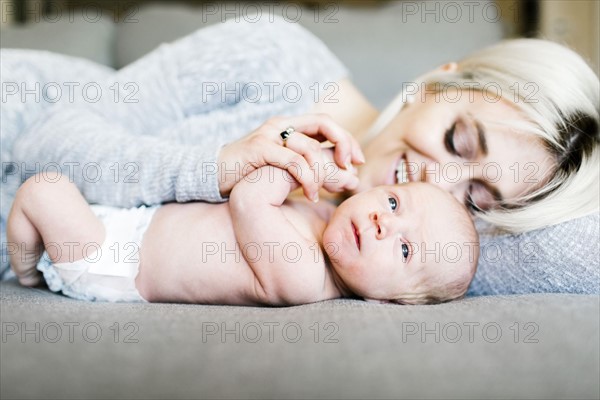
x=186 y=136
x=527 y=163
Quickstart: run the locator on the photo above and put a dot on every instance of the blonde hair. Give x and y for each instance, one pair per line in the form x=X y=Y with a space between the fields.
x=558 y=93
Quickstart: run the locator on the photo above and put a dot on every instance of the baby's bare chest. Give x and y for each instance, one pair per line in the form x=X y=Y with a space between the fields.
x=190 y=254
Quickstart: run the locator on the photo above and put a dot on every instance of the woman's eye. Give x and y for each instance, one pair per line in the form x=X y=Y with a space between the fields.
x=449 y=140
x=458 y=140
x=404 y=251
x=479 y=198
x=393 y=203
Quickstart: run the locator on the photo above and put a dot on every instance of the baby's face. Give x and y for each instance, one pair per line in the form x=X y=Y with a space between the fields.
x=391 y=242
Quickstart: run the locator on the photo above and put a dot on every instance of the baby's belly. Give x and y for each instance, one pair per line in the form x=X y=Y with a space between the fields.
x=189 y=254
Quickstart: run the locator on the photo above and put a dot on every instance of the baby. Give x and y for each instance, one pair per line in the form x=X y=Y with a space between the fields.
x=408 y=244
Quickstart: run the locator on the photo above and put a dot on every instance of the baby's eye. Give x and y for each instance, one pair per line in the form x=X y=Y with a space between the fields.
x=404 y=251
x=393 y=203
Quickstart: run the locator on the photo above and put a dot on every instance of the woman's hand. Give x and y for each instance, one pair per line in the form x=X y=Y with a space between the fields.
x=300 y=156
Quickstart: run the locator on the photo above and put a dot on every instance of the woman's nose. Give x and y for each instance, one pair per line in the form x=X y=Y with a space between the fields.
x=452 y=177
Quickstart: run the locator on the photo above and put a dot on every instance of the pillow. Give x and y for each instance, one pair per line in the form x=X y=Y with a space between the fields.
x=562 y=258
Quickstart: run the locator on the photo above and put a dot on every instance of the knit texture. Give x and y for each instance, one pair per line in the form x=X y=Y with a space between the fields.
x=562 y=258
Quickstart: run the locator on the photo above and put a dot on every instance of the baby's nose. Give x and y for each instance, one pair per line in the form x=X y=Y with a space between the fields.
x=375 y=218
x=384 y=224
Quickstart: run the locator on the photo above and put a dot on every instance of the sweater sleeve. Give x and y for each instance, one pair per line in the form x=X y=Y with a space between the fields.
x=152 y=132
x=112 y=166
x=562 y=258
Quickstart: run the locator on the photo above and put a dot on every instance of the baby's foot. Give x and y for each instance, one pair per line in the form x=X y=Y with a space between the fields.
x=25 y=268
x=30 y=279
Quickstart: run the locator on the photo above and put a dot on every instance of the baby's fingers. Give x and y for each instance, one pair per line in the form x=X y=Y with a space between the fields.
x=296 y=165
x=339 y=180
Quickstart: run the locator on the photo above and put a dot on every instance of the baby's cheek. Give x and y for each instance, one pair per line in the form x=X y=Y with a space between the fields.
x=332 y=239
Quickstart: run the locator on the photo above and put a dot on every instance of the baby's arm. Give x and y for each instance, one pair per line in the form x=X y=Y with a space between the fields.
x=286 y=268
x=49 y=211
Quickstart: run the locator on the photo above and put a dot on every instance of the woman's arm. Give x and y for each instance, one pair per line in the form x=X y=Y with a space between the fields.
x=159 y=127
x=112 y=166
x=349 y=108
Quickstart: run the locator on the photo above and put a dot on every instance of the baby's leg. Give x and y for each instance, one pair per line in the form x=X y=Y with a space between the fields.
x=49 y=211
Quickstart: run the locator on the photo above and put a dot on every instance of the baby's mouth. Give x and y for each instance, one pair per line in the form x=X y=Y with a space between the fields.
x=356 y=236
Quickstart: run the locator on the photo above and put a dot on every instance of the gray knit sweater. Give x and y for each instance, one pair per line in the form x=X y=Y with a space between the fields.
x=151 y=132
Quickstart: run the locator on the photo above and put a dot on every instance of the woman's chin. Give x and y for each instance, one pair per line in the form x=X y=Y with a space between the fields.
x=364 y=185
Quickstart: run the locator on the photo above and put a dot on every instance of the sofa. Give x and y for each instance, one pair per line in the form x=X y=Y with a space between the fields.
x=534 y=346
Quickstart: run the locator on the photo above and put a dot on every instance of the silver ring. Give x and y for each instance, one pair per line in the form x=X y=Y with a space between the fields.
x=285 y=135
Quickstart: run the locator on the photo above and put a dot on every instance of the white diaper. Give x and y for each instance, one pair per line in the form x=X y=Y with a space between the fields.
x=109 y=270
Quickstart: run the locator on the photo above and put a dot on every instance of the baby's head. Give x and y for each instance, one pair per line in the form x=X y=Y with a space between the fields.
x=409 y=244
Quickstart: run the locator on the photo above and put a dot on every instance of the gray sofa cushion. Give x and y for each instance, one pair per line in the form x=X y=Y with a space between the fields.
x=524 y=346
x=82 y=37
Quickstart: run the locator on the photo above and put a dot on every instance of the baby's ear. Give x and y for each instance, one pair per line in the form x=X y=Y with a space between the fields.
x=380 y=301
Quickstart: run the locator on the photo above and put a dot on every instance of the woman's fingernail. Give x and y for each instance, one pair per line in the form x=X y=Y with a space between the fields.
x=315 y=197
x=348 y=163
x=361 y=159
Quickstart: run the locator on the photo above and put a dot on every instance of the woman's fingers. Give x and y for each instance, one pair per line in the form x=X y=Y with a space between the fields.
x=325 y=163
x=321 y=126
x=300 y=155
x=308 y=147
x=324 y=170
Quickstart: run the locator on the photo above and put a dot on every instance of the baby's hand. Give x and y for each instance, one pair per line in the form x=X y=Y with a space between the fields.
x=333 y=178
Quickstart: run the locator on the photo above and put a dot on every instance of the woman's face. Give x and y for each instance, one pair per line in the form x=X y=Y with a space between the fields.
x=459 y=145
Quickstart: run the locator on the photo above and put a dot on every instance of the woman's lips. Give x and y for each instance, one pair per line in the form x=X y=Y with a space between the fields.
x=392 y=175
x=403 y=170
x=356 y=236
